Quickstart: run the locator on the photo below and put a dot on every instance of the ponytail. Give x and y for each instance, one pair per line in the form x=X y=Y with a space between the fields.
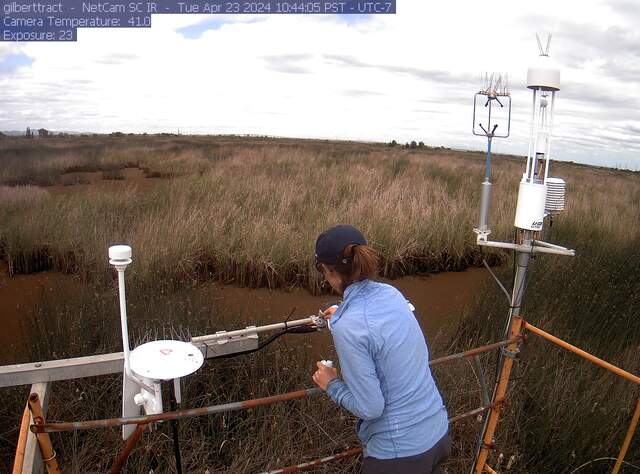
x=364 y=262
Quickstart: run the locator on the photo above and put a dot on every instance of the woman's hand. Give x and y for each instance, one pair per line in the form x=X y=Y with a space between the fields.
x=324 y=375
x=328 y=312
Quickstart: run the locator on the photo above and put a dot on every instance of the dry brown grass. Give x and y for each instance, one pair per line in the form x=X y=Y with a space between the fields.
x=248 y=212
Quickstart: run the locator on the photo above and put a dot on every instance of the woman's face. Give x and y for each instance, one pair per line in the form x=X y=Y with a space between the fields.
x=332 y=277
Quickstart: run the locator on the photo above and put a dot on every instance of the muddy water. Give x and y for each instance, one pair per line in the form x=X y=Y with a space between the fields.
x=439 y=300
x=19 y=295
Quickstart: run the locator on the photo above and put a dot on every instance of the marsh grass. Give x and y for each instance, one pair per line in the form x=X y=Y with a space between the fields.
x=249 y=213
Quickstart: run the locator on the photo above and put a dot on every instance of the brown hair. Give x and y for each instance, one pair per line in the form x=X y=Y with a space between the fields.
x=363 y=264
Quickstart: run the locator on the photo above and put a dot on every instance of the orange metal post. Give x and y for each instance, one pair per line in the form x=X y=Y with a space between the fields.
x=22 y=441
x=132 y=440
x=46 y=449
x=627 y=440
x=499 y=397
x=489 y=469
x=576 y=350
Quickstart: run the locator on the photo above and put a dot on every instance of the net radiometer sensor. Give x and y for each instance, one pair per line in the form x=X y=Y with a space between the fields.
x=148 y=365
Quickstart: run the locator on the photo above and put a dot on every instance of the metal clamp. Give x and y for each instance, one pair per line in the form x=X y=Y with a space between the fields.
x=320 y=322
x=490 y=446
x=510 y=354
x=51 y=458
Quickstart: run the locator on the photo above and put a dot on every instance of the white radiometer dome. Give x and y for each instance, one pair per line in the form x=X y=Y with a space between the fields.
x=165 y=360
x=120 y=252
x=543 y=74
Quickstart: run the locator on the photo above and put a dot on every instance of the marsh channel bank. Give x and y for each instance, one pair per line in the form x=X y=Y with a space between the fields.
x=439 y=300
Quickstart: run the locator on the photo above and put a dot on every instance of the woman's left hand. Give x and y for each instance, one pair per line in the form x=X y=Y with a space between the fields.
x=324 y=375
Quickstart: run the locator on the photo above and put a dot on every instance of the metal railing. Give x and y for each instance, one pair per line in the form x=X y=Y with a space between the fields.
x=41 y=428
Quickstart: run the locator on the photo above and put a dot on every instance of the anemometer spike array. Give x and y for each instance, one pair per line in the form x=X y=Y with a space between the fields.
x=495 y=94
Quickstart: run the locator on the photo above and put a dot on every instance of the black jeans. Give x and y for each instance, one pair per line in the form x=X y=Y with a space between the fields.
x=428 y=462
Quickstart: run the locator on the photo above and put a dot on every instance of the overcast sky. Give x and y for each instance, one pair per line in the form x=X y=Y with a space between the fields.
x=409 y=76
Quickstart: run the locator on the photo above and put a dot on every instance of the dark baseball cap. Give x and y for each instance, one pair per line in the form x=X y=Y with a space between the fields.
x=331 y=244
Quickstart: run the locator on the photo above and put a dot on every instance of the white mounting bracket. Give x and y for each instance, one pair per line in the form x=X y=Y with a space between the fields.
x=227 y=342
x=537 y=246
x=482 y=235
x=221 y=337
x=150 y=401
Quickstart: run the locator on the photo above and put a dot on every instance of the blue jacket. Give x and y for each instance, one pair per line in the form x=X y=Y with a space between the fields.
x=384 y=362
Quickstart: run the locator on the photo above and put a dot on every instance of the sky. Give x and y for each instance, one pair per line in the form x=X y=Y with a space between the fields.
x=408 y=76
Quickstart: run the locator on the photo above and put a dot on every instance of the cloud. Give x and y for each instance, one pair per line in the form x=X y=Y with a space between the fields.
x=622 y=69
x=409 y=76
x=626 y=8
x=353 y=19
x=116 y=58
x=196 y=30
x=600 y=97
x=288 y=63
x=360 y=93
x=432 y=75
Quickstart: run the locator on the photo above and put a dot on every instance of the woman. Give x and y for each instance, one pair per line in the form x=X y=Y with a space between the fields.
x=386 y=381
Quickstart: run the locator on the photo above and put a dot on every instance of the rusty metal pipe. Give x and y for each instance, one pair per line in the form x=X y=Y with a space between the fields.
x=122 y=457
x=355 y=451
x=305 y=466
x=475 y=411
x=473 y=352
x=18 y=462
x=584 y=354
x=174 y=415
x=489 y=469
x=46 y=448
x=627 y=440
x=235 y=406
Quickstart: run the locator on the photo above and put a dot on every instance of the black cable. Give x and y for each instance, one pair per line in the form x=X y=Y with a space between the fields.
x=174 y=428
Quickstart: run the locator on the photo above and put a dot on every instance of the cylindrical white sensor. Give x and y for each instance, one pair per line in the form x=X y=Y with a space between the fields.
x=531 y=203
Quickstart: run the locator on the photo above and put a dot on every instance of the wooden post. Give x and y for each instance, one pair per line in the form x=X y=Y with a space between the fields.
x=44 y=441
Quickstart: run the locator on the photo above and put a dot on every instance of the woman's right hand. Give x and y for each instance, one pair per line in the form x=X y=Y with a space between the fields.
x=327 y=313
x=324 y=375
